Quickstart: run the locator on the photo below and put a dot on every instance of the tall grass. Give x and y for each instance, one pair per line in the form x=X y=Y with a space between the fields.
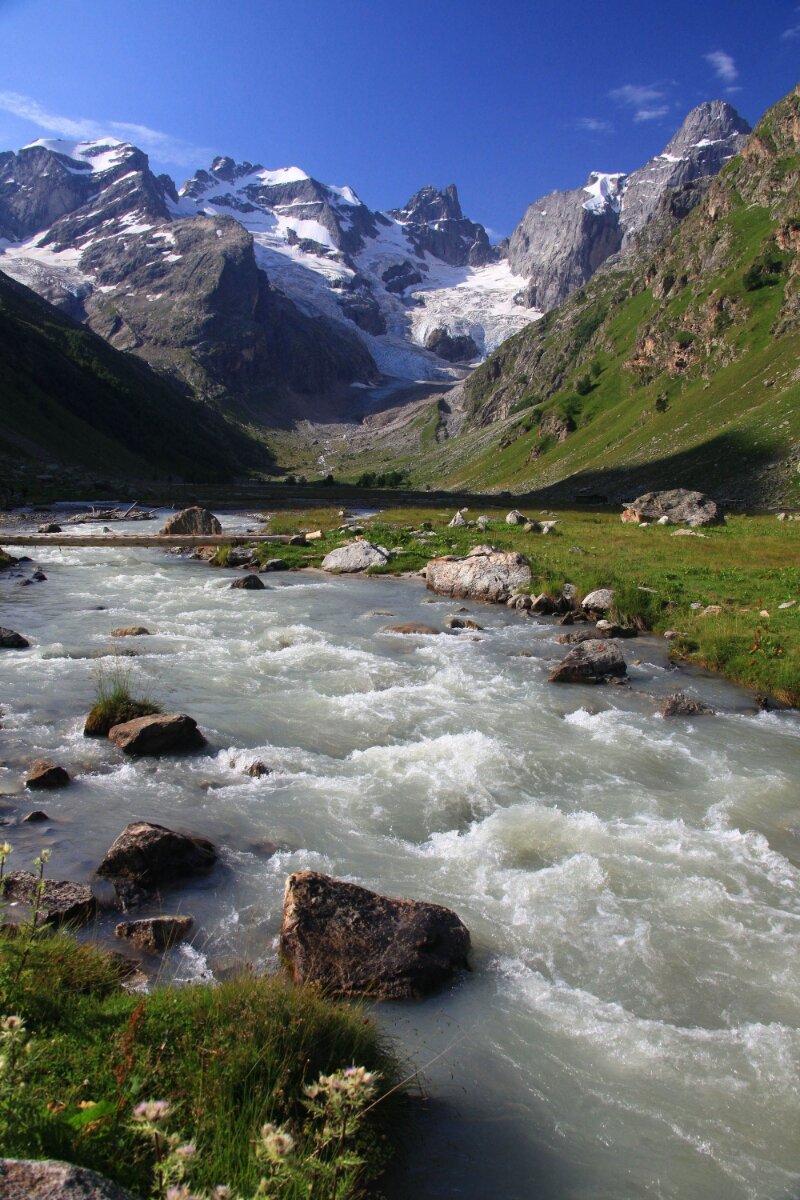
x=228 y=1058
x=114 y=702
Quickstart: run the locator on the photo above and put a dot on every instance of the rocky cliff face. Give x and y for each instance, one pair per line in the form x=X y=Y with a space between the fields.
x=434 y=222
x=565 y=237
x=183 y=292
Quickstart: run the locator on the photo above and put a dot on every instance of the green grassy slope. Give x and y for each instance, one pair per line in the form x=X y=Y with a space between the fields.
x=68 y=397
x=678 y=366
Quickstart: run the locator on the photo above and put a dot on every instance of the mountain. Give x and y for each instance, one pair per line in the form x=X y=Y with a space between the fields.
x=677 y=364
x=272 y=294
x=71 y=400
x=565 y=236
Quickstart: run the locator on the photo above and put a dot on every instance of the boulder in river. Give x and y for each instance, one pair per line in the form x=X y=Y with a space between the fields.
x=154 y=934
x=249 y=583
x=679 y=505
x=61 y=901
x=46 y=1179
x=592 y=661
x=50 y=527
x=44 y=775
x=130 y=631
x=161 y=733
x=192 y=522
x=483 y=574
x=148 y=854
x=681 y=705
x=410 y=627
x=354 y=557
x=9 y=640
x=354 y=942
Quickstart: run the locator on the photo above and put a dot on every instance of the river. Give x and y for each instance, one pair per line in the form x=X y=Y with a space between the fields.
x=631 y=1025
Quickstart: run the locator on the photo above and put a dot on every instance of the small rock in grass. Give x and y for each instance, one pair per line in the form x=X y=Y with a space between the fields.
x=711 y=610
x=275 y=564
x=46 y=1179
x=46 y=775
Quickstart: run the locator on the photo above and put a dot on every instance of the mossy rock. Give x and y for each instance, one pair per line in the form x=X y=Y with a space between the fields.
x=104 y=716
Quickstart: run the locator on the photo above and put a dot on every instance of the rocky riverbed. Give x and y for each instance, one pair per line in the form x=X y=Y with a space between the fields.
x=629 y=880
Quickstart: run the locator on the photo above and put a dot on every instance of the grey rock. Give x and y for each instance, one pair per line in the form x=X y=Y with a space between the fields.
x=148 y=854
x=46 y=1179
x=457 y=521
x=515 y=517
x=354 y=557
x=192 y=522
x=600 y=600
x=483 y=574
x=352 y=941
x=678 y=506
x=592 y=661
x=411 y=627
x=162 y=733
x=453 y=347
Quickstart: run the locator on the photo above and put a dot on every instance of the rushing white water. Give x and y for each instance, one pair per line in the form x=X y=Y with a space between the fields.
x=631 y=1025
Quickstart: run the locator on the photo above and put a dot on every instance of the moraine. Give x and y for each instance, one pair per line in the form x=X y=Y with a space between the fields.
x=631 y=1025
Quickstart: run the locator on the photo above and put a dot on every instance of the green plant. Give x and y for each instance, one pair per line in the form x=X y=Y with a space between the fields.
x=114 y=701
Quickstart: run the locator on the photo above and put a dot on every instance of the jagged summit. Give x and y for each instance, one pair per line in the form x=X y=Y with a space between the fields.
x=435 y=223
x=429 y=204
x=564 y=237
x=712 y=121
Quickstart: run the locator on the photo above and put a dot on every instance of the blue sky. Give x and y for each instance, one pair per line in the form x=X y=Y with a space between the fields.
x=506 y=98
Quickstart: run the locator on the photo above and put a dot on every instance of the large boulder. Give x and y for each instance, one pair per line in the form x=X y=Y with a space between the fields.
x=354 y=942
x=61 y=902
x=192 y=522
x=147 y=854
x=598 y=601
x=411 y=627
x=355 y=556
x=46 y=1179
x=154 y=934
x=161 y=733
x=9 y=640
x=483 y=574
x=590 y=662
x=681 y=506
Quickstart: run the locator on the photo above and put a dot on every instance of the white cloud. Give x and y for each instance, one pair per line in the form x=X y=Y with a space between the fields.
x=163 y=145
x=648 y=100
x=791 y=33
x=635 y=95
x=594 y=125
x=724 y=65
x=651 y=114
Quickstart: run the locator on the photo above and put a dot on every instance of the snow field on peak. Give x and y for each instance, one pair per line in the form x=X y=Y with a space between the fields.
x=99 y=155
x=605 y=191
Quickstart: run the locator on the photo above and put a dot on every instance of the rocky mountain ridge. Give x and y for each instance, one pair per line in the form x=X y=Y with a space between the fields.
x=266 y=289
x=566 y=236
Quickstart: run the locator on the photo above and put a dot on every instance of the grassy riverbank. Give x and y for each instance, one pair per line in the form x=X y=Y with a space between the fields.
x=749 y=567
x=226 y=1058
